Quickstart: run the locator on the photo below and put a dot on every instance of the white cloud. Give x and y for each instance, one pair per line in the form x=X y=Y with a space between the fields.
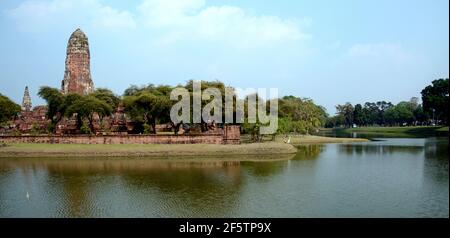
x=113 y=18
x=192 y=19
x=38 y=16
x=169 y=21
x=168 y=13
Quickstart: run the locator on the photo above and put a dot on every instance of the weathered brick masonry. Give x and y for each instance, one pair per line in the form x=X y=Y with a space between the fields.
x=118 y=127
x=77 y=76
x=231 y=136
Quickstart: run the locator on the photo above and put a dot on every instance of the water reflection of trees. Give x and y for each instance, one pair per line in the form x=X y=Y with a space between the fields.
x=193 y=187
x=436 y=163
x=189 y=189
x=76 y=181
x=265 y=169
x=308 y=152
x=359 y=149
x=436 y=148
x=74 y=193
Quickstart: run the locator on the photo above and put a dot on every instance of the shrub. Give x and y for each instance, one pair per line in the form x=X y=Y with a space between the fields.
x=35 y=129
x=51 y=127
x=147 y=129
x=85 y=129
x=16 y=132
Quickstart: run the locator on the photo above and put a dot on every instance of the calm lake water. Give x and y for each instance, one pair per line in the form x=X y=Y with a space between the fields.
x=388 y=178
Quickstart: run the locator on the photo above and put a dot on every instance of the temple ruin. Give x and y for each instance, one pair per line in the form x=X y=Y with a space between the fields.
x=77 y=75
x=26 y=101
x=32 y=123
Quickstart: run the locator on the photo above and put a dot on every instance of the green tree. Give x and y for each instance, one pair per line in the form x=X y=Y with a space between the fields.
x=399 y=114
x=305 y=115
x=252 y=128
x=160 y=90
x=8 y=109
x=335 y=121
x=212 y=84
x=147 y=108
x=87 y=107
x=435 y=100
x=419 y=115
x=358 y=115
x=107 y=96
x=371 y=113
x=382 y=107
x=69 y=100
x=285 y=125
x=346 y=111
x=136 y=101
x=55 y=104
x=391 y=116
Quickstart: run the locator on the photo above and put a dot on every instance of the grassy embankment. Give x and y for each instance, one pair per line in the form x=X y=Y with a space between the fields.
x=414 y=131
x=277 y=147
x=149 y=150
x=309 y=139
x=306 y=139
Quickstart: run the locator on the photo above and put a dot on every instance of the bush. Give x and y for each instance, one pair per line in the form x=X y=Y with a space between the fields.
x=51 y=127
x=35 y=129
x=85 y=129
x=147 y=129
x=16 y=132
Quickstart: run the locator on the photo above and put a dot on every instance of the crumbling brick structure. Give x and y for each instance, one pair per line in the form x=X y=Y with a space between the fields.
x=77 y=76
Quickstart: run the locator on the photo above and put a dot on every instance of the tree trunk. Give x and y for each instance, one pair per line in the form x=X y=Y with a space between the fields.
x=79 y=122
x=202 y=126
x=91 y=126
x=91 y=123
x=175 y=131
x=153 y=126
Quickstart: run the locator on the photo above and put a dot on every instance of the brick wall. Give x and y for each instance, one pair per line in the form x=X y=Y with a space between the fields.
x=115 y=139
x=230 y=136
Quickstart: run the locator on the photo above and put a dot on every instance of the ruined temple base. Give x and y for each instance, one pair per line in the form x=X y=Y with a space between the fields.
x=119 y=139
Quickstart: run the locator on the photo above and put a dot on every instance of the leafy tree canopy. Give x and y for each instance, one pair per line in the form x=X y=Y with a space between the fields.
x=8 y=109
x=435 y=99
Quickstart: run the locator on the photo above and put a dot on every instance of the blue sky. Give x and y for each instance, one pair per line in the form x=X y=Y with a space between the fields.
x=330 y=51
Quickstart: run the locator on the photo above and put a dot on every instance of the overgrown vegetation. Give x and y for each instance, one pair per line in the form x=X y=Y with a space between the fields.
x=433 y=110
x=8 y=109
x=300 y=115
x=100 y=103
x=413 y=131
x=149 y=105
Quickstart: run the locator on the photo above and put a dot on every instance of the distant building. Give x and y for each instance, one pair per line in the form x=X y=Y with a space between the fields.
x=26 y=101
x=30 y=120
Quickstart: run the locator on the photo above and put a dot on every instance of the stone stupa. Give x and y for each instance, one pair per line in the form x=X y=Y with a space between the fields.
x=77 y=75
x=26 y=101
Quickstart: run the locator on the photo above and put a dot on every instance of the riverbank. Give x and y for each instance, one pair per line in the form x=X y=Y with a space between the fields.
x=149 y=150
x=310 y=139
x=415 y=131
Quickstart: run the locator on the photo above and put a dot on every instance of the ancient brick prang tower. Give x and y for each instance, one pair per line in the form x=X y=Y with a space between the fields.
x=26 y=101
x=77 y=76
